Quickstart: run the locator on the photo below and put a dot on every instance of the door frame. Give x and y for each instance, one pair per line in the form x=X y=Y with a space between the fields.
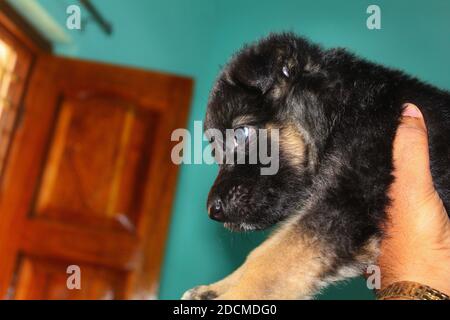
x=18 y=33
x=22 y=30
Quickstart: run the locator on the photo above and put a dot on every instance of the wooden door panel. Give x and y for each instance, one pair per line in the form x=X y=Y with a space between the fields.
x=119 y=250
x=89 y=181
x=39 y=278
x=100 y=135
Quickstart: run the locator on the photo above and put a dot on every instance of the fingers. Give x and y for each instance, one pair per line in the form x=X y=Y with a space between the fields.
x=411 y=156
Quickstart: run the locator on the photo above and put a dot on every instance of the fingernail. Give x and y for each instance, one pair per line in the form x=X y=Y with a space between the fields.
x=412 y=111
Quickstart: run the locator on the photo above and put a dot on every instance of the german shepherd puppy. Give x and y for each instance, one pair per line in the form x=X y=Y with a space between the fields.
x=337 y=116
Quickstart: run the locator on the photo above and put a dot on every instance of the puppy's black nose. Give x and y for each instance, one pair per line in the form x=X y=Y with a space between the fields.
x=215 y=210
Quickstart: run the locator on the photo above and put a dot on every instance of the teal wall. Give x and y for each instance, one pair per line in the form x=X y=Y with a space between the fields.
x=195 y=37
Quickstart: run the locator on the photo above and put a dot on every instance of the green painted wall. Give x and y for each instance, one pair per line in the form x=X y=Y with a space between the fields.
x=195 y=37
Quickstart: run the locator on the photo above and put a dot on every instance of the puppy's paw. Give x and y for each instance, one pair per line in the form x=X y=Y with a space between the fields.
x=200 y=293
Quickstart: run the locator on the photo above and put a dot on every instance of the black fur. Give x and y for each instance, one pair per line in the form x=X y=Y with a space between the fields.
x=348 y=110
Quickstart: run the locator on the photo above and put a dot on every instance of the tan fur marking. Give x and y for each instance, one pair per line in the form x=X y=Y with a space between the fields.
x=242 y=120
x=292 y=144
x=369 y=252
x=288 y=265
x=285 y=266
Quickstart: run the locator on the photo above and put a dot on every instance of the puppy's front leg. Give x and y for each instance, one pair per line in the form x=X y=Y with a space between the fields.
x=212 y=291
x=293 y=263
x=289 y=265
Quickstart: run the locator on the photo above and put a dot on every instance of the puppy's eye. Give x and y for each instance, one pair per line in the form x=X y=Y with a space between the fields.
x=240 y=136
x=286 y=71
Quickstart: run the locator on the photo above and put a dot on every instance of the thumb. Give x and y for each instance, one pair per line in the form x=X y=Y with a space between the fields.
x=411 y=156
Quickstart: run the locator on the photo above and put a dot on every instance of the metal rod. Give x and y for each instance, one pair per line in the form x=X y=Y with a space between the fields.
x=104 y=25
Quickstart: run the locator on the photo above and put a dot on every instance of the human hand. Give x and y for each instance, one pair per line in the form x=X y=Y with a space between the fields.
x=417 y=243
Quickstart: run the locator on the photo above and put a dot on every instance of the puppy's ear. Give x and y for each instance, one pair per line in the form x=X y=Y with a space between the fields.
x=265 y=64
x=253 y=70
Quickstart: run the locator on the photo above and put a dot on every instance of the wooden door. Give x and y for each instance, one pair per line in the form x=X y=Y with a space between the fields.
x=89 y=181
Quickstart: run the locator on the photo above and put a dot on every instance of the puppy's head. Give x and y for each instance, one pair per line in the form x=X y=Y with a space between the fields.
x=270 y=85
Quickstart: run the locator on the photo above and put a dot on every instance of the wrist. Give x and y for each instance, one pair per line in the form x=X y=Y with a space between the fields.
x=433 y=277
x=428 y=263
